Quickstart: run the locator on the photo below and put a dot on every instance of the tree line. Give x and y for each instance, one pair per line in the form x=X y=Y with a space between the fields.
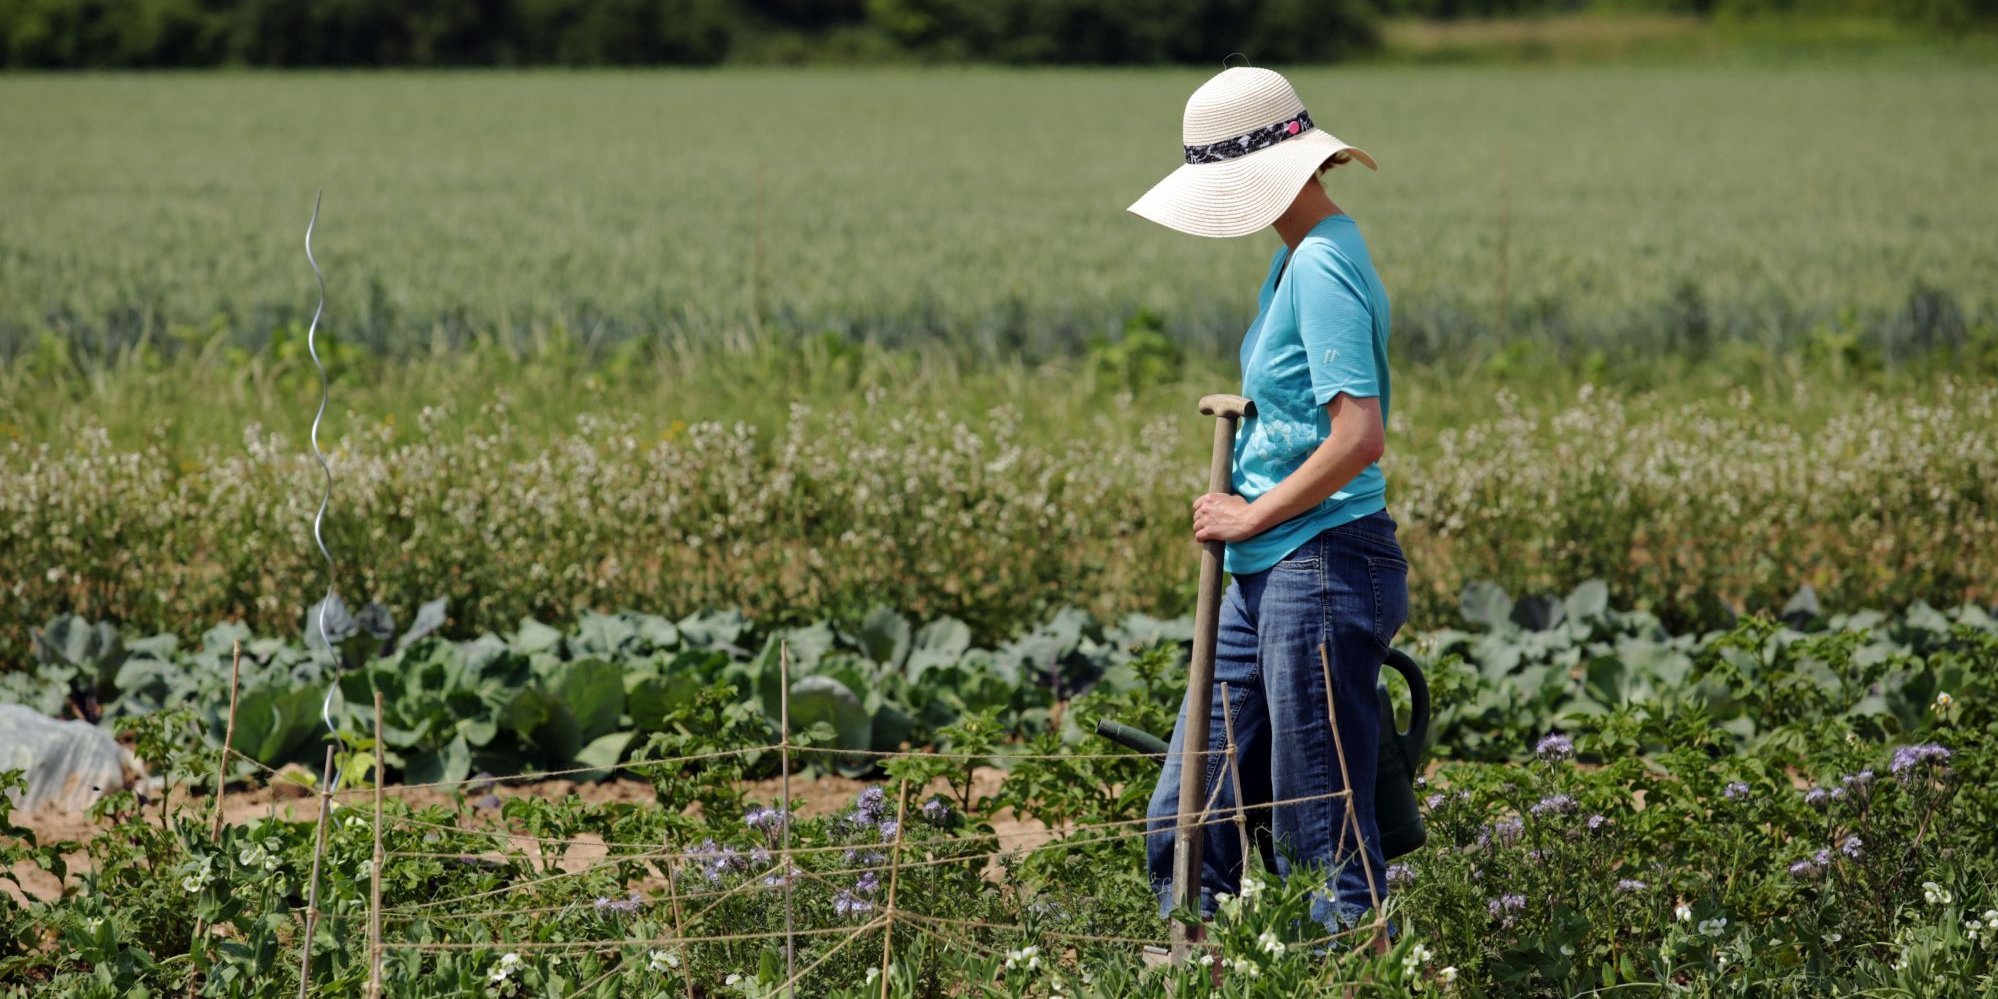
x=360 y=33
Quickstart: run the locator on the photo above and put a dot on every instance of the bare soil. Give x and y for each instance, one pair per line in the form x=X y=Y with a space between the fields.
x=815 y=796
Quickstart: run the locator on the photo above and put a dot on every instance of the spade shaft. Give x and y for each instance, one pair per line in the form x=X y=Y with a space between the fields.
x=1228 y=411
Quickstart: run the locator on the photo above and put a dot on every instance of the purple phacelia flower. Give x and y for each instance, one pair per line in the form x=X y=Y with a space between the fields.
x=1554 y=804
x=1504 y=832
x=872 y=801
x=868 y=883
x=1504 y=908
x=1822 y=858
x=769 y=820
x=1434 y=801
x=1555 y=748
x=890 y=829
x=1909 y=759
x=1804 y=870
x=1852 y=848
x=1400 y=875
x=1597 y=823
x=627 y=905
x=1735 y=791
x=1838 y=794
x=1859 y=781
x=848 y=905
x=936 y=810
x=1817 y=797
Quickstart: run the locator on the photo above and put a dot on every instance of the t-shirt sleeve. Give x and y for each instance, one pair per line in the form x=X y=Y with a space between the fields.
x=1336 y=323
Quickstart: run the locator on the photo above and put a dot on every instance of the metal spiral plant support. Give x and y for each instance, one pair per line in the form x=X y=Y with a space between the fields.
x=325 y=467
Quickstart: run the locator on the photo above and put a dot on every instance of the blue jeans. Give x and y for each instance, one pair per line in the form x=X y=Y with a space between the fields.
x=1347 y=588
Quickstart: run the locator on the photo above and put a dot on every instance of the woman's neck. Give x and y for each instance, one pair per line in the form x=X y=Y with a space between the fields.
x=1311 y=206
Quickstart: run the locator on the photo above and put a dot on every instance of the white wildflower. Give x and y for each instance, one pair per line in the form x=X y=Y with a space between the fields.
x=1448 y=974
x=1713 y=927
x=1684 y=912
x=663 y=960
x=1269 y=944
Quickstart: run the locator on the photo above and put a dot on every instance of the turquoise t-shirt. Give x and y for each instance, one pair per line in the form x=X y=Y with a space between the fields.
x=1321 y=329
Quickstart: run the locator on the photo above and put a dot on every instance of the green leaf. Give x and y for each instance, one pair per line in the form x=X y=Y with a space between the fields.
x=1588 y=601
x=542 y=720
x=604 y=753
x=534 y=636
x=654 y=699
x=817 y=699
x=593 y=691
x=274 y=723
x=884 y=637
x=1486 y=605
x=429 y=766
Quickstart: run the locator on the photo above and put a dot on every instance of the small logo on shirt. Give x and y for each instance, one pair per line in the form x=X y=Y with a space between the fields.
x=1331 y=356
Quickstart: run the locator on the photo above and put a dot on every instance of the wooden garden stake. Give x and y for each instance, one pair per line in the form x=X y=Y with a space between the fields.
x=375 y=868
x=784 y=761
x=1352 y=819
x=228 y=737
x=200 y=938
x=894 y=876
x=312 y=888
x=679 y=928
x=1235 y=774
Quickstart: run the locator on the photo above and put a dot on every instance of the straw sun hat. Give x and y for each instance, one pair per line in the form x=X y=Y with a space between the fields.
x=1250 y=145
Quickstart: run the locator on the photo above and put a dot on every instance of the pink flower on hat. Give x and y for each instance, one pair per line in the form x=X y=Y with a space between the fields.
x=1293 y=128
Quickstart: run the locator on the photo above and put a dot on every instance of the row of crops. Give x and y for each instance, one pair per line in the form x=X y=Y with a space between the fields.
x=989 y=518
x=1560 y=208
x=1801 y=806
x=614 y=687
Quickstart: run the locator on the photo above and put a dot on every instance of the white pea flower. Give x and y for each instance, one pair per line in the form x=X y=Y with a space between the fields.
x=1448 y=974
x=1205 y=960
x=1935 y=894
x=509 y=962
x=663 y=960
x=1713 y=927
x=1684 y=912
x=1269 y=944
x=1250 y=888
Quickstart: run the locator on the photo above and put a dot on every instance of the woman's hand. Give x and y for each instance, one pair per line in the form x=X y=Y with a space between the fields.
x=1223 y=517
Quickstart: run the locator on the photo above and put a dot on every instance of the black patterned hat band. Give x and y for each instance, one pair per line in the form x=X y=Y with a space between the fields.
x=1249 y=142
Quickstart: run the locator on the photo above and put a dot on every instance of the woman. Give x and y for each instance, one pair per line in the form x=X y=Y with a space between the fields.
x=1309 y=542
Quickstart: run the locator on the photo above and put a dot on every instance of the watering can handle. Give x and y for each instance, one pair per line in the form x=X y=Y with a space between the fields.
x=1417 y=737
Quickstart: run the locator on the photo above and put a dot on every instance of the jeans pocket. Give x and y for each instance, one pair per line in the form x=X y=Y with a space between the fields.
x=1390 y=580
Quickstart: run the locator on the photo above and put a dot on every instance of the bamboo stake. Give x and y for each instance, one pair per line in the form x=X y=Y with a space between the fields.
x=1235 y=773
x=784 y=761
x=228 y=737
x=200 y=939
x=312 y=888
x=1346 y=778
x=679 y=928
x=1504 y=238
x=375 y=868
x=894 y=877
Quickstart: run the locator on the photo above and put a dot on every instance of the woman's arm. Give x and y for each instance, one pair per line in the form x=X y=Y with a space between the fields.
x=1357 y=440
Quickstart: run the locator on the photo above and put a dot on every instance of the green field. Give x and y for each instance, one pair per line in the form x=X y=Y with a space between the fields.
x=722 y=441
x=1651 y=210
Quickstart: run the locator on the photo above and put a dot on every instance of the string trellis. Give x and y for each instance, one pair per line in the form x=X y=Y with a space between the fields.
x=692 y=911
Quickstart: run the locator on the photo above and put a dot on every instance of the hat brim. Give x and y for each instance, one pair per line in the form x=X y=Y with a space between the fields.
x=1243 y=195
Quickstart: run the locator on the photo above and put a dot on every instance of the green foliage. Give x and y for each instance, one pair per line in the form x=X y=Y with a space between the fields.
x=966 y=242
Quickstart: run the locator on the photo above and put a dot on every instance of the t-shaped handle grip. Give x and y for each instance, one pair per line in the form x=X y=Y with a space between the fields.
x=1231 y=407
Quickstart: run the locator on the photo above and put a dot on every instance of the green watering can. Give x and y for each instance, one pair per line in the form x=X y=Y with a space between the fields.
x=1394 y=775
